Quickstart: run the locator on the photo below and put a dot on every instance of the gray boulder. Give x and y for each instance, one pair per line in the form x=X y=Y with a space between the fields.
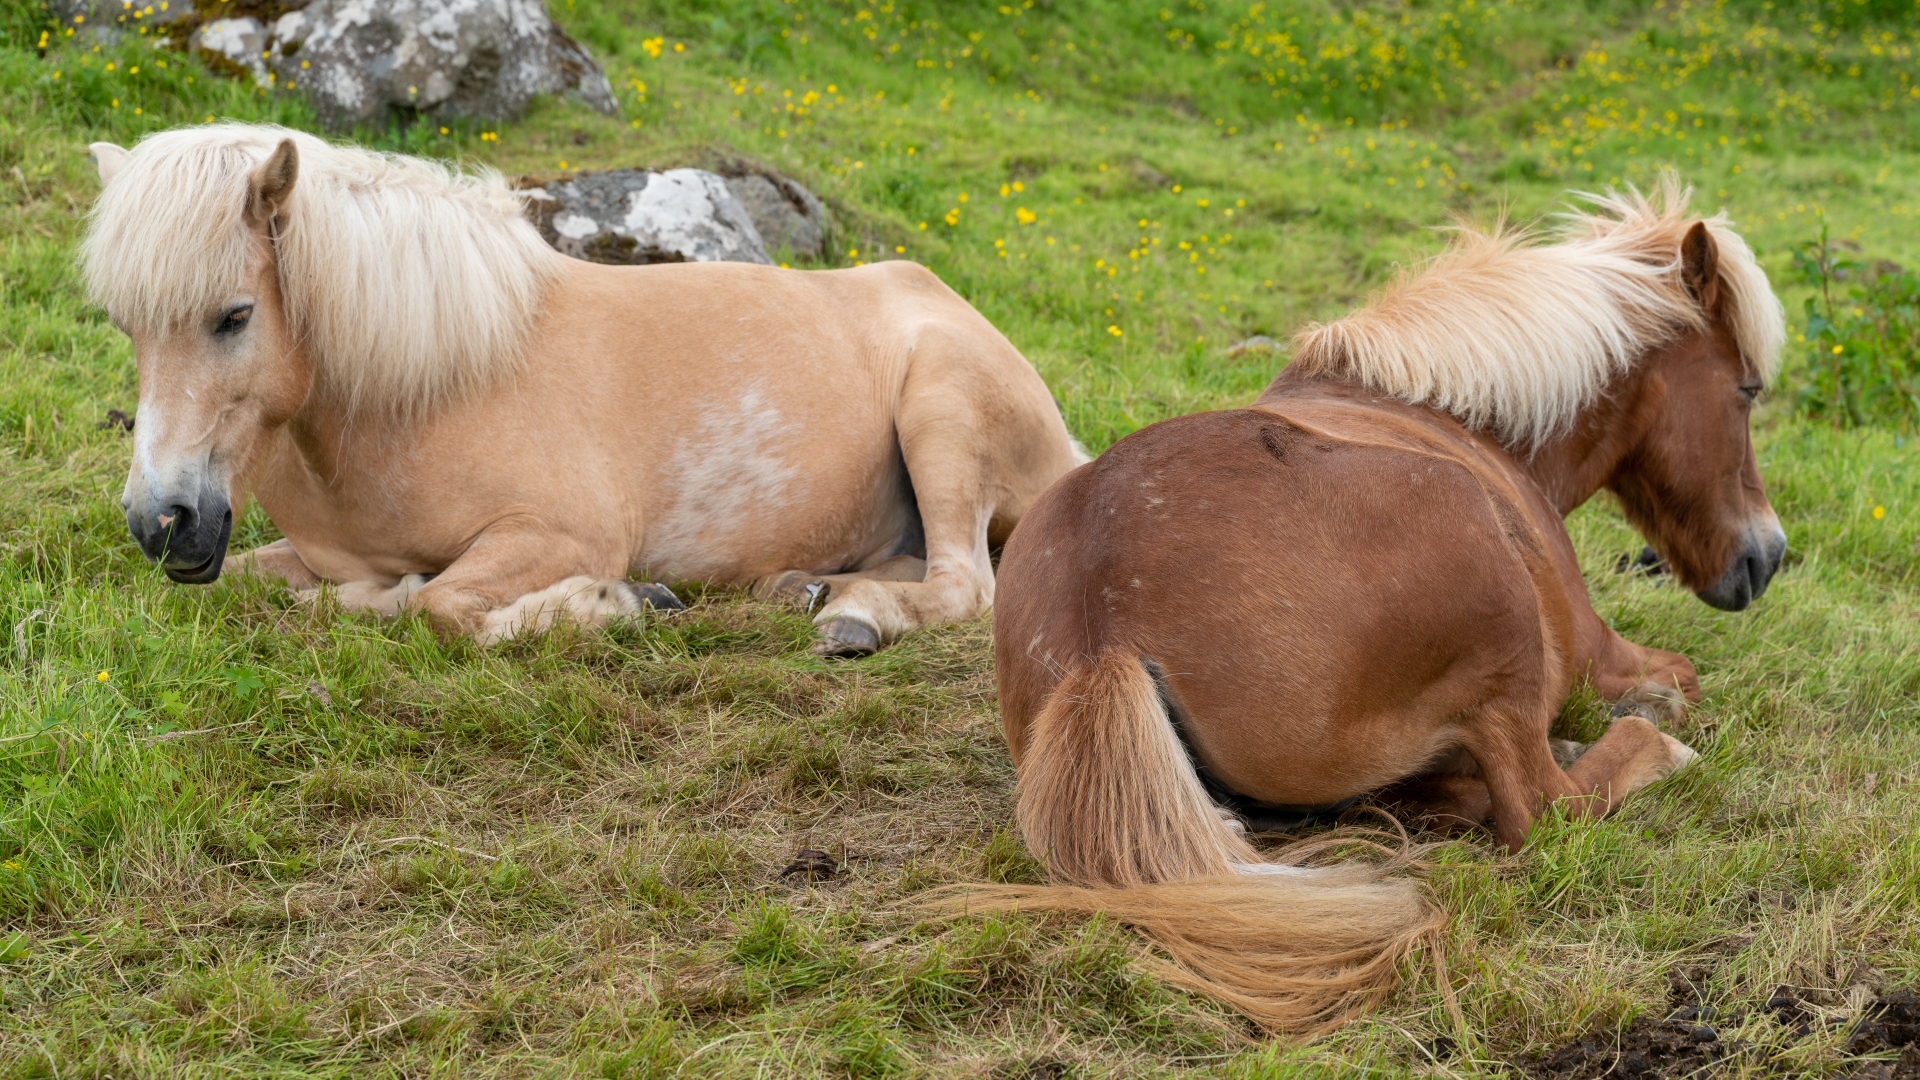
x=787 y=214
x=361 y=61
x=242 y=42
x=634 y=216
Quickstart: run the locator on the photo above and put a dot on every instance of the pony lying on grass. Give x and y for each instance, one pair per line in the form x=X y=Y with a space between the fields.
x=1363 y=584
x=441 y=413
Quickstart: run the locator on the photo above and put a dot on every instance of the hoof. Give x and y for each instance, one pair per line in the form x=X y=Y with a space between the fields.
x=1657 y=702
x=796 y=587
x=1566 y=751
x=849 y=637
x=1647 y=564
x=816 y=594
x=653 y=596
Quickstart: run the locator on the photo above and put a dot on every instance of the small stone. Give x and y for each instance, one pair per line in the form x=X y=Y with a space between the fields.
x=1705 y=1034
x=812 y=865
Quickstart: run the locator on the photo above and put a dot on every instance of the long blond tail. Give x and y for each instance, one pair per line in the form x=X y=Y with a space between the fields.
x=1110 y=802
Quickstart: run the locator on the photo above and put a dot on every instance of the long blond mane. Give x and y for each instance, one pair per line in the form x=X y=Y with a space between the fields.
x=1516 y=337
x=411 y=283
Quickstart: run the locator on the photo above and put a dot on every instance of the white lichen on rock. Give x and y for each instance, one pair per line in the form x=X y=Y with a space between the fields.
x=360 y=62
x=637 y=216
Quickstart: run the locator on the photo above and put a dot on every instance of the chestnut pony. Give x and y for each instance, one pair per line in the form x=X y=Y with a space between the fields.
x=1363 y=582
x=441 y=413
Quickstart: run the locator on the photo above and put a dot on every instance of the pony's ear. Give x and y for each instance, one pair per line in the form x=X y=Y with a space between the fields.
x=110 y=158
x=1700 y=265
x=272 y=183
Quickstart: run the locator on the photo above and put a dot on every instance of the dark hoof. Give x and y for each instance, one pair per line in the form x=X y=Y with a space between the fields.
x=843 y=636
x=1648 y=563
x=1662 y=705
x=816 y=594
x=1642 y=709
x=654 y=596
x=795 y=587
x=1566 y=751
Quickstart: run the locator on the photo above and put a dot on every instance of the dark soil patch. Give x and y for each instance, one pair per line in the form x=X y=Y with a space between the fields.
x=1892 y=1023
x=1688 y=1043
x=1648 y=1048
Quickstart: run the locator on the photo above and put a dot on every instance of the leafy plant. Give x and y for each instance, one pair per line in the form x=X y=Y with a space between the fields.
x=1863 y=366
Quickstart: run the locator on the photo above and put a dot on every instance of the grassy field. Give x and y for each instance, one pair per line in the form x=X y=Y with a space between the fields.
x=244 y=836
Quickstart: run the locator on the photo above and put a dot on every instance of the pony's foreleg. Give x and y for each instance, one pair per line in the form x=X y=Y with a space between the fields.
x=584 y=600
x=1620 y=669
x=275 y=560
x=512 y=581
x=377 y=596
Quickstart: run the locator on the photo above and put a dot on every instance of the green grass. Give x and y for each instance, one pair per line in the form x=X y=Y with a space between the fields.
x=239 y=835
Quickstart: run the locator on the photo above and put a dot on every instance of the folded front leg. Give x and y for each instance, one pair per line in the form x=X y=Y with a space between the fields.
x=520 y=579
x=277 y=560
x=584 y=600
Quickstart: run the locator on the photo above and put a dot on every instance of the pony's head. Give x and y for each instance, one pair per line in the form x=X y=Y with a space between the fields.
x=261 y=273
x=220 y=365
x=1689 y=483
x=1626 y=356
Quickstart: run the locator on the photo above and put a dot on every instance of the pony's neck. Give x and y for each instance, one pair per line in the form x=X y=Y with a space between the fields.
x=1572 y=467
x=326 y=434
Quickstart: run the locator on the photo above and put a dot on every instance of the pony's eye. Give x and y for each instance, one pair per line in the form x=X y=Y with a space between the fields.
x=234 y=320
x=1752 y=392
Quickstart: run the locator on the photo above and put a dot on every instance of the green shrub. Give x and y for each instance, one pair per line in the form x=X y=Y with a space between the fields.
x=1863 y=363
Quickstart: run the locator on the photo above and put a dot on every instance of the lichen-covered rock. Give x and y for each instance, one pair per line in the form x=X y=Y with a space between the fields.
x=787 y=214
x=359 y=60
x=107 y=17
x=362 y=61
x=242 y=42
x=636 y=216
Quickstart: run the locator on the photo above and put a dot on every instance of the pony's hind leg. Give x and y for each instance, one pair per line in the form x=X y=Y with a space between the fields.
x=1522 y=775
x=1449 y=796
x=811 y=591
x=981 y=439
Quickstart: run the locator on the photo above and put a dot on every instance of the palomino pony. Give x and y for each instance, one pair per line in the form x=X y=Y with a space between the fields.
x=442 y=414
x=1363 y=582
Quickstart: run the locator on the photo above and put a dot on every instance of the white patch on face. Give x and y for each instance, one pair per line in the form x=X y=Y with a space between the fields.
x=171 y=460
x=730 y=471
x=142 y=479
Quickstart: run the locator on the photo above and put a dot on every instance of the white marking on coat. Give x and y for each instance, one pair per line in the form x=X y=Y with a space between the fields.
x=731 y=469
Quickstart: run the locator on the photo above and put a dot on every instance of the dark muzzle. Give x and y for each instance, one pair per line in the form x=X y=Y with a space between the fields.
x=1746 y=577
x=189 y=542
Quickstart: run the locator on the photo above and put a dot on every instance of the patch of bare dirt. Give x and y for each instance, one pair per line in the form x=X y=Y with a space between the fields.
x=1690 y=1042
